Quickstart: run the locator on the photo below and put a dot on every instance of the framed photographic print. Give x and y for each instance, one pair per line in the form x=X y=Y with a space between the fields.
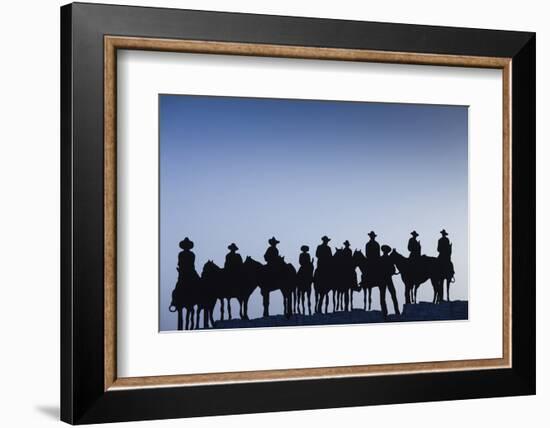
x=265 y=213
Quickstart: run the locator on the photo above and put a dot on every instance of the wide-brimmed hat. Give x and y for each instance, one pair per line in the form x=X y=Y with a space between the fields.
x=232 y=247
x=325 y=238
x=304 y=248
x=186 y=244
x=385 y=248
x=444 y=232
x=372 y=234
x=346 y=243
x=413 y=233
x=273 y=241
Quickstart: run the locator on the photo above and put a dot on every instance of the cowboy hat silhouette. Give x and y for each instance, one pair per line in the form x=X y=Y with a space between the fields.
x=385 y=249
x=186 y=244
x=304 y=248
x=273 y=241
x=444 y=232
x=232 y=247
x=413 y=233
x=372 y=234
x=325 y=238
x=346 y=243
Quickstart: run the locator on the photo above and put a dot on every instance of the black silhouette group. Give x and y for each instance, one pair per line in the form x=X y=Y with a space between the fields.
x=334 y=273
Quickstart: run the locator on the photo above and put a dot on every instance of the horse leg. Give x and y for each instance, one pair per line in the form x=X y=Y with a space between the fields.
x=211 y=316
x=326 y=302
x=370 y=297
x=407 y=294
x=346 y=300
x=290 y=305
x=308 y=303
x=229 y=307
x=265 y=296
x=316 y=298
x=198 y=317
x=187 y=312
x=383 y=306
x=393 y=295
x=180 y=319
x=448 y=286
x=245 y=308
x=365 y=298
x=222 y=309
x=205 y=315
x=334 y=301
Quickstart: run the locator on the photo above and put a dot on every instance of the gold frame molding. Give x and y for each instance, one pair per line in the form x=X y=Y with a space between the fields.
x=113 y=43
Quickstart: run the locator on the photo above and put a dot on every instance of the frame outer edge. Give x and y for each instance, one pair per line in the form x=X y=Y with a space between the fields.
x=524 y=216
x=66 y=147
x=82 y=400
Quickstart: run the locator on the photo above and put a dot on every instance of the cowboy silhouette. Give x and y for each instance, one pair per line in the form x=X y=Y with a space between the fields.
x=444 y=247
x=305 y=258
x=304 y=278
x=233 y=260
x=186 y=258
x=387 y=270
x=372 y=248
x=323 y=252
x=414 y=245
x=271 y=255
x=346 y=251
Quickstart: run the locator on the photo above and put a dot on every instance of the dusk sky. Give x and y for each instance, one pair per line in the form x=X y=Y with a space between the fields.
x=245 y=169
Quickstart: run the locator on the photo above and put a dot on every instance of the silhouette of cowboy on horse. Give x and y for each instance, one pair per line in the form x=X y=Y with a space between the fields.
x=414 y=246
x=335 y=272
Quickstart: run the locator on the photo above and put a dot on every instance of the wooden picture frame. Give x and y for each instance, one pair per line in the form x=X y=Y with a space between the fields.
x=91 y=390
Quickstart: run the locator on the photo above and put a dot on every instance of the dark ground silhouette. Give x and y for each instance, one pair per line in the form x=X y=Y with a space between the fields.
x=422 y=311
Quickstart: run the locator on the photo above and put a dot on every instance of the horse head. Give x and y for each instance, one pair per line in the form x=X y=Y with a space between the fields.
x=358 y=256
x=249 y=262
x=210 y=267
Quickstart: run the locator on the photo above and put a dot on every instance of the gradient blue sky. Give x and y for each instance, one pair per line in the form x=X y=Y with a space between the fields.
x=244 y=169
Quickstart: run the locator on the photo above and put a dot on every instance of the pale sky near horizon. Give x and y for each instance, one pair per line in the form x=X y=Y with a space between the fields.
x=244 y=169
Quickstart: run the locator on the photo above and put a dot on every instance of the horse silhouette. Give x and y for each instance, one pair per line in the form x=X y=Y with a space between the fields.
x=374 y=273
x=304 y=280
x=344 y=279
x=369 y=278
x=185 y=296
x=223 y=286
x=415 y=272
x=322 y=284
x=447 y=267
x=211 y=278
x=271 y=277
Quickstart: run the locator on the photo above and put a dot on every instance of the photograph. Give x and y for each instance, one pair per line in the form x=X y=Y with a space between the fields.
x=297 y=212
